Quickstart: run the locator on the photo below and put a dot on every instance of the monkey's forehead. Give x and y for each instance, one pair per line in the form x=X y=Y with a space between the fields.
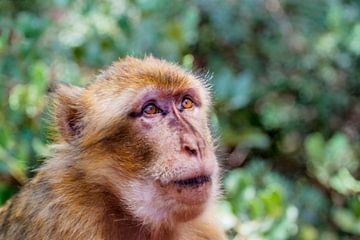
x=137 y=73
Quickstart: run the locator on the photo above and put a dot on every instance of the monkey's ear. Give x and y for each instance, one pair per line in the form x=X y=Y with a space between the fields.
x=68 y=112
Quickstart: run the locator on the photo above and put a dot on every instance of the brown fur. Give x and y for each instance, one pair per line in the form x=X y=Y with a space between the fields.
x=103 y=179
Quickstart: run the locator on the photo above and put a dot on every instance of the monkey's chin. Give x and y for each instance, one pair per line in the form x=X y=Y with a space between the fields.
x=191 y=191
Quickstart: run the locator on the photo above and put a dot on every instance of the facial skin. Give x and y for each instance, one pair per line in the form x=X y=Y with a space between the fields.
x=185 y=165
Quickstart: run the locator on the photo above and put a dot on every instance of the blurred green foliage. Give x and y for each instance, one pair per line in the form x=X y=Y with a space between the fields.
x=286 y=80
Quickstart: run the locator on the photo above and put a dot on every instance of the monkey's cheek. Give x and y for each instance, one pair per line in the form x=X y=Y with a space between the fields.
x=191 y=195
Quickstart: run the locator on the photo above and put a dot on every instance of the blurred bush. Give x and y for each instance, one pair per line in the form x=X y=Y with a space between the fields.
x=286 y=80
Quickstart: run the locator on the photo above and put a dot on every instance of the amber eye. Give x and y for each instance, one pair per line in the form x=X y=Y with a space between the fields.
x=151 y=109
x=186 y=103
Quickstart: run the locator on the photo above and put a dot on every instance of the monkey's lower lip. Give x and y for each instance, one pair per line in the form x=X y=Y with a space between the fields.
x=193 y=182
x=191 y=190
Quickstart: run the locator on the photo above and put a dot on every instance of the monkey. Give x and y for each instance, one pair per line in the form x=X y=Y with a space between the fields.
x=133 y=158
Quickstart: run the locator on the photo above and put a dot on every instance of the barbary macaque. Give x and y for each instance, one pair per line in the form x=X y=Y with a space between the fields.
x=133 y=159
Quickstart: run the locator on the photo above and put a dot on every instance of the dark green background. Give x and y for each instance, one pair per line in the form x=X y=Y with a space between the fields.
x=286 y=82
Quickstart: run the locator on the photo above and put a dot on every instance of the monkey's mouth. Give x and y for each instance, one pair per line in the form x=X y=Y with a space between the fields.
x=193 y=182
x=190 y=190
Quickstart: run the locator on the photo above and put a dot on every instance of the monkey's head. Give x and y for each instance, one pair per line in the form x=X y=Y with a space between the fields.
x=141 y=131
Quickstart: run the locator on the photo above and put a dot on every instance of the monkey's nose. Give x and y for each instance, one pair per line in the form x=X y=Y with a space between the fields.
x=190 y=145
x=191 y=151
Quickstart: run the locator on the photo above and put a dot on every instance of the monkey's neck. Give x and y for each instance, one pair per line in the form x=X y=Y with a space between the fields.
x=117 y=221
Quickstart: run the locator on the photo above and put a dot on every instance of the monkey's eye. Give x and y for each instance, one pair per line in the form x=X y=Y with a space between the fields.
x=186 y=103
x=151 y=109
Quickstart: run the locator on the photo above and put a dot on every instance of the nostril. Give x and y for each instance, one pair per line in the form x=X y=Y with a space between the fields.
x=191 y=151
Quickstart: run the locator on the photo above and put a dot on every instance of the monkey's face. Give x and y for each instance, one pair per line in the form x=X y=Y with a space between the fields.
x=181 y=176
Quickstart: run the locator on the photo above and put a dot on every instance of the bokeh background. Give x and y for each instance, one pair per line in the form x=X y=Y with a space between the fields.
x=286 y=83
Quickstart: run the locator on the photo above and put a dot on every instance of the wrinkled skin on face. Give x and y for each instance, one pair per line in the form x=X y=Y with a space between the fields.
x=185 y=165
